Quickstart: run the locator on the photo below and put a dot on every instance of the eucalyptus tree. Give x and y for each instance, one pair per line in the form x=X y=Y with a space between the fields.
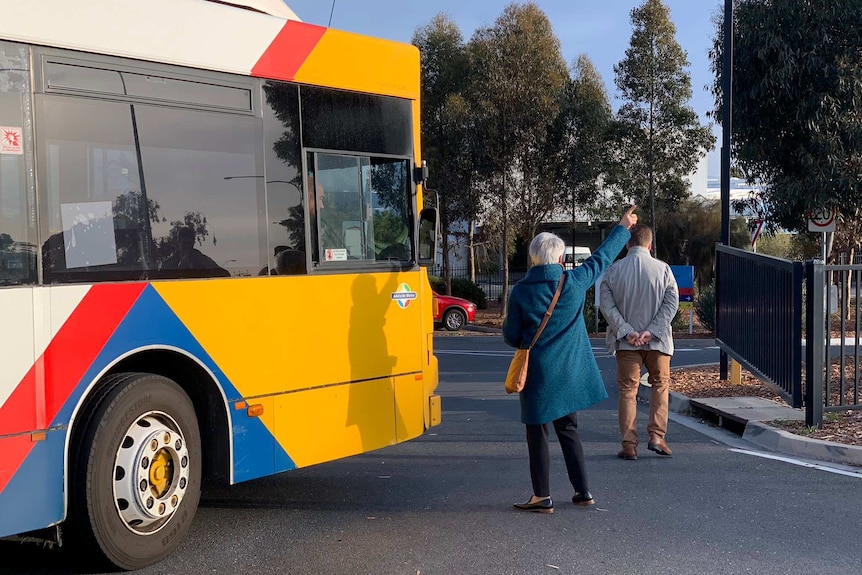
x=661 y=138
x=516 y=84
x=797 y=107
x=446 y=126
x=585 y=128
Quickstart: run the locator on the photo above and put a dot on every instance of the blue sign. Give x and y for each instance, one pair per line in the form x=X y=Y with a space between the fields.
x=684 y=276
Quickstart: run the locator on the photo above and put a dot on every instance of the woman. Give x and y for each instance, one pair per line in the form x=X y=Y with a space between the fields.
x=562 y=377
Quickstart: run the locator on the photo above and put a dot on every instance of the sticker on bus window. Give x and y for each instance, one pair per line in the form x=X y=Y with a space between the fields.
x=88 y=234
x=11 y=140
x=335 y=254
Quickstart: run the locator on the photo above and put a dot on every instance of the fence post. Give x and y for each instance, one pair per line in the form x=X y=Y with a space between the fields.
x=796 y=357
x=815 y=342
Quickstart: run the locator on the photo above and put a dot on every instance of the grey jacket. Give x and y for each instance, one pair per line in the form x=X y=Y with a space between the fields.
x=639 y=293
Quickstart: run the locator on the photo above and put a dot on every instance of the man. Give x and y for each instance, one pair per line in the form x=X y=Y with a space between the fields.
x=639 y=299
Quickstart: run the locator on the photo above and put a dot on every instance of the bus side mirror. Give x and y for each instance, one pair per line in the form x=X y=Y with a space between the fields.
x=428 y=237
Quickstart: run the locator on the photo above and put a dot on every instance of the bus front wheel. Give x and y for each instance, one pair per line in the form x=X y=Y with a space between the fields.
x=136 y=477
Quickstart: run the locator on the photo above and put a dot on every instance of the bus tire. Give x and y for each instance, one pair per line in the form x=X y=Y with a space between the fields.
x=136 y=471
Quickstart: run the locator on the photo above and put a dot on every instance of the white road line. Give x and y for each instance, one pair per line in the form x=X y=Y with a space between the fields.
x=857 y=474
x=598 y=351
x=479 y=353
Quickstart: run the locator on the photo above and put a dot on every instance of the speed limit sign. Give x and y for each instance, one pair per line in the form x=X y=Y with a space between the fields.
x=821 y=220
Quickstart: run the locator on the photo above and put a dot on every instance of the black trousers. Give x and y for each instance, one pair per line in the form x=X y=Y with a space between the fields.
x=566 y=428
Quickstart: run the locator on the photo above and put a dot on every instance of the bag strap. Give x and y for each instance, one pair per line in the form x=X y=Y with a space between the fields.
x=550 y=310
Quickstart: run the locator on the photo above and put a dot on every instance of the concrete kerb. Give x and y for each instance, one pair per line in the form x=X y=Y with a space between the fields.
x=771 y=438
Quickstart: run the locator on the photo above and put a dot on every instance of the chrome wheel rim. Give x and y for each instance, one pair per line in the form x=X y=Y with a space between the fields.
x=454 y=320
x=151 y=472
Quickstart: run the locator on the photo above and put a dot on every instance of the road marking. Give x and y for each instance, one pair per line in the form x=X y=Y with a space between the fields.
x=480 y=353
x=599 y=352
x=857 y=474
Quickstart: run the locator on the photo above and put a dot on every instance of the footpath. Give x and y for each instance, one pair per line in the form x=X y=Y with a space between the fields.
x=746 y=417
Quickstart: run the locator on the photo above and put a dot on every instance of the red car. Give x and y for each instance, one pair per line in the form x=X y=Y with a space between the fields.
x=453 y=312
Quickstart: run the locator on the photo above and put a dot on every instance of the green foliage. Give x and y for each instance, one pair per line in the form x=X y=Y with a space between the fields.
x=461 y=287
x=776 y=245
x=446 y=124
x=591 y=312
x=660 y=136
x=680 y=321
x=518 y=74
x=797 y=87
x=704 y=307
x=688 y=236
x=582 y=136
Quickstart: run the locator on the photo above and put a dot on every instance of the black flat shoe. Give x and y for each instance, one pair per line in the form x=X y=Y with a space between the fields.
x=583 y=499
x=543 y=506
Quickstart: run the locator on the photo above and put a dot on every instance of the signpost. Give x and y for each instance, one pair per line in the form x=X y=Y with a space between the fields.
x=755 y=233
x=822 y=220
x=684 y=276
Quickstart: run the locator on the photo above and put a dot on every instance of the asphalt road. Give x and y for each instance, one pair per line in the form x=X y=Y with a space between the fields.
x=441 y=504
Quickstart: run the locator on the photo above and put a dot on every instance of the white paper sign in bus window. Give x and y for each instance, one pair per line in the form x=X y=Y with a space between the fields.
x=88 y=234
x=11 y=140
x=335 y=254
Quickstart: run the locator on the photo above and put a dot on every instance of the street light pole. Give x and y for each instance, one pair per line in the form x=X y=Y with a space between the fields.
x=726 y=130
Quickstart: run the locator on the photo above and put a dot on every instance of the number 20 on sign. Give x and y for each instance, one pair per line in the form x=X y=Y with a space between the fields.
x=821 y=220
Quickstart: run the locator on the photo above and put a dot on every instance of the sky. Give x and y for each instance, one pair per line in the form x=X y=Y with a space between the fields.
x=601 y=29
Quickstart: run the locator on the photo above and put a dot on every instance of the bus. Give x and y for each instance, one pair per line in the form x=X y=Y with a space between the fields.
x=213 y=253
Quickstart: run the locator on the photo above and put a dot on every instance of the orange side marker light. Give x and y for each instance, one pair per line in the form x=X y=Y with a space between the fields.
x=255 y=410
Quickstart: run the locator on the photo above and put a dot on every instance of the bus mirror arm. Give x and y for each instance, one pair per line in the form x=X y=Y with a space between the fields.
x=420 y=174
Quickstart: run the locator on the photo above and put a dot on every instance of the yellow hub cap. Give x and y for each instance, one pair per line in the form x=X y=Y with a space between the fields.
x=161 y=473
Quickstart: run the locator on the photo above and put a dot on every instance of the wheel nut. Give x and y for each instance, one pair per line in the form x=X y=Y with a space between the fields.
x=179 y=444
x=150 y=502
x=145 y=462
x=154 y=444
x=182 y=482
x=143 y=484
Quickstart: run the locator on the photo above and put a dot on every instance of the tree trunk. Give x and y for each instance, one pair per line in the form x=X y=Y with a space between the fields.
x=447 y=272
x=471 y=251
x=504 y=295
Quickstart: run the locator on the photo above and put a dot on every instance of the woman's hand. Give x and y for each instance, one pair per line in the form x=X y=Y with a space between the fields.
x=629 y=218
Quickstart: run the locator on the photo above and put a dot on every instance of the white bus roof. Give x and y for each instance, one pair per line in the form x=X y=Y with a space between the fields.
x=197 y=33
x=271 y=7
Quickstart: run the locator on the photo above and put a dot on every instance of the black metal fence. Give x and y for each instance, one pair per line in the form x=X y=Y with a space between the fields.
x=759 y=317
x=832 y=350
x=490 y=282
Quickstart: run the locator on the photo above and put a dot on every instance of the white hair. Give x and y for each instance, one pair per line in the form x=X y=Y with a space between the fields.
x=546 y=248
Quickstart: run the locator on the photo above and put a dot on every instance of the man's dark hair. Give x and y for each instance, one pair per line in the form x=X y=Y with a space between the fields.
x=641 y=235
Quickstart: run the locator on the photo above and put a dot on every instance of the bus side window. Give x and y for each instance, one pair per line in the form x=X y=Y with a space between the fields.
x=17 y=229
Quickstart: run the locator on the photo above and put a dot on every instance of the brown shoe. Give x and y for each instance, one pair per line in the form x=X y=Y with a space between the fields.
x=658 y=445
x=629 y=452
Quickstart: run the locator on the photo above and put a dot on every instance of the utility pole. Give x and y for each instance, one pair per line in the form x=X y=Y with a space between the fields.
x=726 y=126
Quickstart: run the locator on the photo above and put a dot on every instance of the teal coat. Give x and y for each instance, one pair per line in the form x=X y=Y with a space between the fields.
x=562 y=376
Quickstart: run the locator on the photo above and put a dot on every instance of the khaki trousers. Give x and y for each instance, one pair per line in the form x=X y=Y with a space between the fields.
x=629 y=364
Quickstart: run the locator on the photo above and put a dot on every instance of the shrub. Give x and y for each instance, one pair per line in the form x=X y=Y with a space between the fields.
x=591 y=312
x=461 y=287
x=680 y=321
x=704 y=307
